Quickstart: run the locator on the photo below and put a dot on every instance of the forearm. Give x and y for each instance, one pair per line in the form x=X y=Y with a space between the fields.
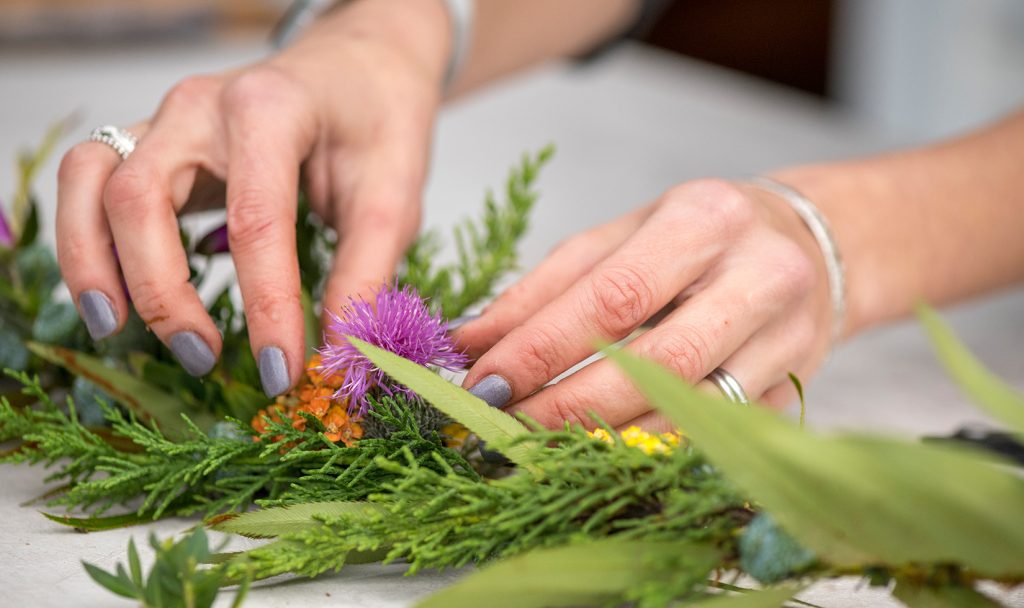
x=935 y=224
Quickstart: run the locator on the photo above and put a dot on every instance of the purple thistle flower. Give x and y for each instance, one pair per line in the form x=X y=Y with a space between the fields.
x=6 y=236
x=399 y=322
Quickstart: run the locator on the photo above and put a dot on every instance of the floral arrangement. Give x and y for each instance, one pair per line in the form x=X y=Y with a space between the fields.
x=374 y=457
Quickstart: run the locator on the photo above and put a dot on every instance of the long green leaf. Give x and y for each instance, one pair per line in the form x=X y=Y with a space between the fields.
x=990 y=393
x=491 y=425
x=147 y=402
x=107 y=522
x=268 y=523
x=767 y=598
x=577 y=575
x=854 y=500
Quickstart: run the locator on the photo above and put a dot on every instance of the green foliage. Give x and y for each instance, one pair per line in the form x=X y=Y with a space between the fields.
x=175 y=580
x=580 y=488
x=591 y=573
x=491 y=425
x=854 y=500
x=197 y=472
x=986 y=390
x=486 y=250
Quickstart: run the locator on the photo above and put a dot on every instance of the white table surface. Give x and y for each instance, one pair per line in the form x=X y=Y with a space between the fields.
x=626 y=128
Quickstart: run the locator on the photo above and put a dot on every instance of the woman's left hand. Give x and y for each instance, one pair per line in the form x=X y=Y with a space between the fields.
x=742 y=279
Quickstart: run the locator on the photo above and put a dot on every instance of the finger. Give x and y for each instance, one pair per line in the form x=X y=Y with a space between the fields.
x=669 y=252
x=761 y=366
x=140 y=201
x=570 y=261
x=377 y=219
x=691 y=341
x=85 y=247
x=268 y=135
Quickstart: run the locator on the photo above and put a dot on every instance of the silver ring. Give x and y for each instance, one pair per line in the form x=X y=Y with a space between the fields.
x=729 y=385
x=121 y=140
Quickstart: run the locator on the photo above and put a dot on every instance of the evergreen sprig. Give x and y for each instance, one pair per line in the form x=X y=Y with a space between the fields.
x=581 y=489
x=204 y=473
x=486 y=249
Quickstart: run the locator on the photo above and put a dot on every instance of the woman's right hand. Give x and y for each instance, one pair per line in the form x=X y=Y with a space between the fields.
x=350 y=107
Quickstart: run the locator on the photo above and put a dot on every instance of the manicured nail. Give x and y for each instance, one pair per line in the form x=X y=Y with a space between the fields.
x=493 y=389
x=273 y=371
x=458 y=322
x=192 y=353
x=98 y=313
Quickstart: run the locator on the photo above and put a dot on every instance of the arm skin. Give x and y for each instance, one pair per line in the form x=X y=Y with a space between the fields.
x=935 y=224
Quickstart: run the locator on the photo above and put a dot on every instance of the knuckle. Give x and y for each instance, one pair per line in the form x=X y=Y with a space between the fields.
x=684 y=351
x=790 y=271
x=76 y=161
x=623 y=295
x=153 y=300
x=128 y=188
x=191 y=91
x=565 y=406
x=249 y=218
x=536 y=348
x=271 y=306
x=720 y=204
x=255 y=89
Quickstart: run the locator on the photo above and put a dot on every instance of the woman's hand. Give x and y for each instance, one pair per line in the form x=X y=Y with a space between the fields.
x=352 y=104
x=742 y=279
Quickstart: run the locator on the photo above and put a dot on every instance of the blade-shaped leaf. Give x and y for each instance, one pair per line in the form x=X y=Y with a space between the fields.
x=115 y=584
x=577 y=575
x=767 y=598
x=147 y=402
x=491 y=425
x=268 y=523
x=990 y=393
x=107 y=522
x=854 y=500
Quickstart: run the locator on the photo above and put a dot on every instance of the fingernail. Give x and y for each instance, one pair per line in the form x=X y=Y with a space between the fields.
x=273 y=371
x=98 y=313
x=192 y=353
x=458 y=322
x=493 y=389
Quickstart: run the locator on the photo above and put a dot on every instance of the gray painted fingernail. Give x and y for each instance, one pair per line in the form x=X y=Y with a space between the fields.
x=493 y=389
x=273 y=371
x=458 y=322
x=98 y=313
x=192 y=353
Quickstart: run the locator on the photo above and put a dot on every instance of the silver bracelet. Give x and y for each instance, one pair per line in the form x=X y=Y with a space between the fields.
x=302 y=13
x=822 y=232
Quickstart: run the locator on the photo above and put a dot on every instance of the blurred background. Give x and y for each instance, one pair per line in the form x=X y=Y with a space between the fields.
x=918 y=68
x=711 y=87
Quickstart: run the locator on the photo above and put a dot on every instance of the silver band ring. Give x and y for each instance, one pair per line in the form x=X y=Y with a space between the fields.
x=121 y=140
x=729 y=385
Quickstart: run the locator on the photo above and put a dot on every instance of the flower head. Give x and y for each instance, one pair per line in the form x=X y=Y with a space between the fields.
x=6 y=236
x=214 y=242
x=398 y=321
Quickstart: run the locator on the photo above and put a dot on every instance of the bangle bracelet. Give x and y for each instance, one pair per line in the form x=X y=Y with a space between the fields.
x=819 y=227
x=461 y=13
x=302 y=13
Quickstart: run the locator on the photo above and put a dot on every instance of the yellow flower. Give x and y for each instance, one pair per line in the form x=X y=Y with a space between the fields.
x=635 y=437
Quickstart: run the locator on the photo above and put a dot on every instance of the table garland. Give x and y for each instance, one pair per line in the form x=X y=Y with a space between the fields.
x=375 y=457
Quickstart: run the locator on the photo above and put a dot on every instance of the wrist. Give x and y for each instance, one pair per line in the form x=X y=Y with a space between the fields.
x=419 y=30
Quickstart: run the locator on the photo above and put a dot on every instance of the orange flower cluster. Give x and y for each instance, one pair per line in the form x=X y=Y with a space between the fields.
x=313 y=397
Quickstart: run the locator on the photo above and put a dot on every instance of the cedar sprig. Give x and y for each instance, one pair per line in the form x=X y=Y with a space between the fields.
x=199 y=473
x=583 y=488
x=486 y=249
